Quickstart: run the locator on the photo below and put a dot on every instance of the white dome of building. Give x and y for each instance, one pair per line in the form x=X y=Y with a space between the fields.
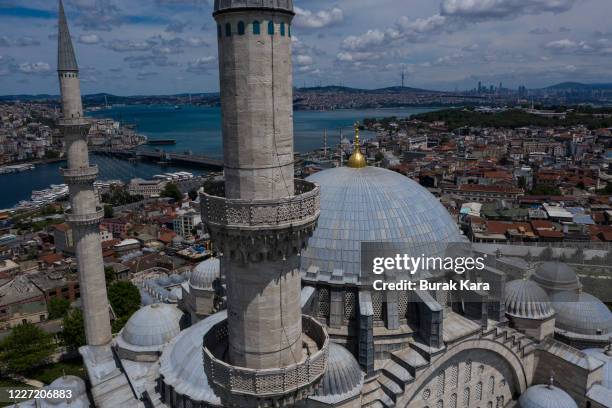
x=205 y=274
x=546 y=396
x=526 y=300
x=373 y=204
x=72 y=384
x=582 y=313
x=153 y=325
x=556 y=277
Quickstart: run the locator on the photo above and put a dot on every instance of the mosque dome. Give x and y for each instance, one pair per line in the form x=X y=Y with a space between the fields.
x=556 y=277
x=152 y=326
x=343 y=377
x=526 y=300
x=181 y=362
x=581 y=313
x=75 y=385
x=546 y=396
x=205 y=273
x=373 y=204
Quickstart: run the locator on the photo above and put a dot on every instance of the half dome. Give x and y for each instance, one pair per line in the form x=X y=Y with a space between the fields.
x=526 y=300
x=343 y=377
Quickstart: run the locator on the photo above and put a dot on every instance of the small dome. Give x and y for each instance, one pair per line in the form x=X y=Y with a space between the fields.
x=71 y=383
x=205 y=274
x=546 y=396
x=343 y=377
x=581 y=313
x=525 y=299
x=153 y=325
x=556 y=276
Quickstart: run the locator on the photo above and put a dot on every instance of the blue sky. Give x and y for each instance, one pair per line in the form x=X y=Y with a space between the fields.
x=169 y=46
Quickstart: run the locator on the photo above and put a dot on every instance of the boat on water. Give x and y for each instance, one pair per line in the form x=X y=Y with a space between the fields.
x=161 y=142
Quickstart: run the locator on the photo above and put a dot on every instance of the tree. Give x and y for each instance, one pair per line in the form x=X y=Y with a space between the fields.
x=73 y=334
x=542 y=189
x=109 y=212
x=58 y=308
x=27 y=346
x=109 y=274
x=124 y=297
x=193 y=194
x=379 y=156
x=172 y=191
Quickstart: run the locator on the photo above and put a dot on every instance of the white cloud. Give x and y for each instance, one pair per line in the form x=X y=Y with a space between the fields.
x=371 y=38
x=89 y=39
x=496 y=9
x=303 y=60
x=34 y=68
x=322 y=18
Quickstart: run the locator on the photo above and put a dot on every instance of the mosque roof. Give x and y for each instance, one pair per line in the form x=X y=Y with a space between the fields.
x=343 y=377
x=546 y=396
x=556 y=276
x=581 y=313
x=152 y=326
x=527 y=300
x=205 y=273
x=604 y=356
x=372 y=204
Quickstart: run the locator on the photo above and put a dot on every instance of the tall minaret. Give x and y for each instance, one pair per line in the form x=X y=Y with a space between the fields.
x=85 y=214
x=260 y=217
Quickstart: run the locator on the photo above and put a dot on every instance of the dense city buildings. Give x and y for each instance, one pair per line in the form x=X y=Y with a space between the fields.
x=250 y=287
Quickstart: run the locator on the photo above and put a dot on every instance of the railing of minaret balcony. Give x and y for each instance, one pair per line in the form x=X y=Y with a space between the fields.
x=85 y=219
x=81 y=174
x=265 y=382
x=302 y=207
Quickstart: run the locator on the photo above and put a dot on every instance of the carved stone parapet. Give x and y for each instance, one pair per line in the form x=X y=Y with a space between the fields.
x=257 y=230
x=262 y=388
x=74 y=126
x=78 y=220
x=80 y=175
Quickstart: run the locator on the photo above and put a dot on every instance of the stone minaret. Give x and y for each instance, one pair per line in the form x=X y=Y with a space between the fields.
x=85 y=214
x=260 y=217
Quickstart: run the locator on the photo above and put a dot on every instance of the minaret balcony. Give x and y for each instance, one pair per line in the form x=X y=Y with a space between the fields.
x=258 y=230
x=85 y=219
x=80 y=175
x=300 y=209
x=275 y=387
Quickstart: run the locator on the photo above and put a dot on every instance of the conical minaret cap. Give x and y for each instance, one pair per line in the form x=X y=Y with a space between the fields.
x=66 y=60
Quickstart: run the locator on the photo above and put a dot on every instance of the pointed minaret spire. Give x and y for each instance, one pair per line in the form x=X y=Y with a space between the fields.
x=66 y=60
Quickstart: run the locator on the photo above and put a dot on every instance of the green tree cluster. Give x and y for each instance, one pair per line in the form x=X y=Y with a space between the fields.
x=124 y=297
x=172 y=191
x=58 y=308
x=26 y=347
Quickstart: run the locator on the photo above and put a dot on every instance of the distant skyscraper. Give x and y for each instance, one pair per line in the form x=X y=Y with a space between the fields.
x=85 y=214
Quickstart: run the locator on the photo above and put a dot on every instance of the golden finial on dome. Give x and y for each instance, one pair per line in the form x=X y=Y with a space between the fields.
x=357 y=159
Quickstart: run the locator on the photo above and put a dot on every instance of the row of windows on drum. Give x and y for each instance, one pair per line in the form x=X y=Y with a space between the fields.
x=284 y=29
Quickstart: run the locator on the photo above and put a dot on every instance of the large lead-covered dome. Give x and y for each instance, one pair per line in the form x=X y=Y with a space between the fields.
x=373 y=204
x=582 y=313
x=526 y=300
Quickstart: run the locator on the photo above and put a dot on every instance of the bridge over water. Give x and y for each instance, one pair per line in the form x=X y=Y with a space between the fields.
x=161 y=156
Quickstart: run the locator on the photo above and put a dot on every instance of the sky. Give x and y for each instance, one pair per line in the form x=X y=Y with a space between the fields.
x=143 y=47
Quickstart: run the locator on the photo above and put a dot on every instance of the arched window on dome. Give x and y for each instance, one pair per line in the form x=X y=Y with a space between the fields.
x=228 y=30
x=282 y=29
x=241 y=28
x=256 y=27
x=271 y=28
